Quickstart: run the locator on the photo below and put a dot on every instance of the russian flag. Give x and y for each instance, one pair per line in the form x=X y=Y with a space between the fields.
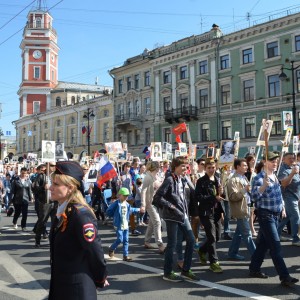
x=106 y=172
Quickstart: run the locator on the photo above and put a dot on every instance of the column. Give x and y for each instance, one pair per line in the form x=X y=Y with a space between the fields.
x=47 y=64
x=156 y=89
x=24 y=105
x=26 y=62
x=79 y=132
x=94 y=130
x=192 y=82
x=213 y=83
x=174 y=78
x=65 y=131
x=48 y=104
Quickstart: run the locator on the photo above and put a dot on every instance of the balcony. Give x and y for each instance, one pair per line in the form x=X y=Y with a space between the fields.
x=178 y=115
x=129 y=119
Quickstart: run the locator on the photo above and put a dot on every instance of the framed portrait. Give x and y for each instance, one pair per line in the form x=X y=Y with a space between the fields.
x=92 y=173
x=114 y=148
x=252 y=150
x=266 y=125
x=287 y=119
x=227 y=151
x=48 y=151
x=210 y=152
x=182 y=149
x=156 y=151
x=287 y=137
x=167 y=147
x=169 y=156
x=177 y=153
x=124 y=147
x=59 y=150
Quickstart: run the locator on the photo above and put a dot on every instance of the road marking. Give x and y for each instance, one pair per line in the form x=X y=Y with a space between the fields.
x=205 y=283
x=26 y=286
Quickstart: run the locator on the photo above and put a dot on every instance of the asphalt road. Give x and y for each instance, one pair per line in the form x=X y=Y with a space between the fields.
x=25 y=271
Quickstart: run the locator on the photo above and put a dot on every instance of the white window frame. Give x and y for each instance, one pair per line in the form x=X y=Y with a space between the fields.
x=34 y=110
x=244 y=129
x=36 y=71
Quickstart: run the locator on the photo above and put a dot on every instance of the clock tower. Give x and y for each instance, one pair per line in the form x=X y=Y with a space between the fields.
x=39 y=62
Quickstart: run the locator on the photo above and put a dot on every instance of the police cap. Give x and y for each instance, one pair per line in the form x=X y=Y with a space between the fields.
x=70 y=168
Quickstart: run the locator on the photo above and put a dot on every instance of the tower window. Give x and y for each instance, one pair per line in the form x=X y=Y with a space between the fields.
x=37 y=72
x=38 y=22
x=36 y=107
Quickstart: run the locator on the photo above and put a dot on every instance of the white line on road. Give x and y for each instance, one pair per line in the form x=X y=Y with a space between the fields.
x=26 y=286
x=205 y=283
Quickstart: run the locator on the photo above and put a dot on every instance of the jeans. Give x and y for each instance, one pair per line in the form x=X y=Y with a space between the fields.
x=268 y=238
x=226 y=217
x=21 y=208
x=292 y=215
x=172 y=228
x=154 y=226
x=122 y=237
x=7 y=198
x=209 y=245
x=242 y=232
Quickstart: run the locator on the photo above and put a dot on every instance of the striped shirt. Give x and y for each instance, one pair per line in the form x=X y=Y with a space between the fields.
x=271 y=199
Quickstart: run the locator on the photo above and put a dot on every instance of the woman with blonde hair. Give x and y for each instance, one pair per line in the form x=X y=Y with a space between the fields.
x=150 y=184
x=77 y=260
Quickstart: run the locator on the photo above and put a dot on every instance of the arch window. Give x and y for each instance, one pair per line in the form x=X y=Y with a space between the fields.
x=58 y=122
x=58 y=101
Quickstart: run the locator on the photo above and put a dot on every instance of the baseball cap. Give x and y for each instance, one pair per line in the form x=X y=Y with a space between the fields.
x=123 y=191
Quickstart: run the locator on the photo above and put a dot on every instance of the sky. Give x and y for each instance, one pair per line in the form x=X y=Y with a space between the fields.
x=97 y=35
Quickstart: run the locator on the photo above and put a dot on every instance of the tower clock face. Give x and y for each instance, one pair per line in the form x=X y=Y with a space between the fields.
x=37 y=54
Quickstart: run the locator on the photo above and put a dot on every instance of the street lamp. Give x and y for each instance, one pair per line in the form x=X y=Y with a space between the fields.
x=89 y=115
x=283 y=77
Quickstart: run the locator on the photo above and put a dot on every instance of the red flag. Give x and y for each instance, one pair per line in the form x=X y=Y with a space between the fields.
x=181 y=128
x=178 y=139
x=83 y=129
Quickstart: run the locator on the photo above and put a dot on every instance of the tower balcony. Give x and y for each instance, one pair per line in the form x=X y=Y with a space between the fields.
x=185 y=113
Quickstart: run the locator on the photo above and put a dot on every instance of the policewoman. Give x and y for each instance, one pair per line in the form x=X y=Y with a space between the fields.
x=77 y=260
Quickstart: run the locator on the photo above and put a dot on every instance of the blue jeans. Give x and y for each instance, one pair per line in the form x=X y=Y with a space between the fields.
x=7 y=198
x=268 y=238
x=122 y=237
x=226 y=217
x=172 y=228
x=242 y=232
x=292 y=215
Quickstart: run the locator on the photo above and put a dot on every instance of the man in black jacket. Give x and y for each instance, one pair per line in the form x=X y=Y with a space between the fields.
x=170 y=198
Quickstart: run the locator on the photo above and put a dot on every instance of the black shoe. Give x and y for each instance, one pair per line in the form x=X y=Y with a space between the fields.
x=258 y=275
x=289 y=281
x=37 y=245
x=227 y=237
x=45 y=236
x=135 y=232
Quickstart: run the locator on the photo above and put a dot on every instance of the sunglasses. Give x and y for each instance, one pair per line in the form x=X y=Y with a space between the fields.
x=85 y=169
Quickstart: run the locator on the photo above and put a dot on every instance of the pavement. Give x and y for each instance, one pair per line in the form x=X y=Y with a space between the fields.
x=25 y=271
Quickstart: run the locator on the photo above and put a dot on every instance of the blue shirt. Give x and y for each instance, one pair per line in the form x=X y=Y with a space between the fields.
x=292 y=191
x=271 y=198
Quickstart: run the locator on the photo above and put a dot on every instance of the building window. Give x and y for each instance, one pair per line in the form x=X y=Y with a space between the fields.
x=147 y=78
x=128 y=83
x=184 y=102
x=298 y=80
x=226 y=130
x=46 y=136
x=58 y=101
x=272 y=49
x=120 y=136
x=203 y=96
x=203 y=67
x=248 y=88
x=147 y=103
x=183 y=72
x=249 y=127
x=120 y=109
x=73 y=101
x=297 y=43
x=106 y=113
x=120 y=85
x=204 y=132
x=58 y=122
x=105 y=132
x=34 y=128
x=34 y=142
x=38 y=22
x=58 y=136
x=36 y=72
x=137 y=107
x=167 y=103
x=36 y=107
x=46 y=125
x=129 y=109
x=147 y=136
x=72 y=120
x=247 y=56
x=137 y=137
x=276 y=128
x=167 y=77
x=24 y=144
x=224 y=60
x=167 y=135
x=73 y=139
x=52 y=75
x=225 y=94
x=273 y=85
x=137 y=81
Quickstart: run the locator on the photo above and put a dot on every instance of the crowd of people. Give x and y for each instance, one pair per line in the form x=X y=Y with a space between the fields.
x=182 y=197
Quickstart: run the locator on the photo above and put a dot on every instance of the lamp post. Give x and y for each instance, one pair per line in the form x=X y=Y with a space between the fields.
x=282 y=77
x=89 y=115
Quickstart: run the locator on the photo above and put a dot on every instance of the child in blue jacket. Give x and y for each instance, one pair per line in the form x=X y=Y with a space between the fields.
x=120 y=210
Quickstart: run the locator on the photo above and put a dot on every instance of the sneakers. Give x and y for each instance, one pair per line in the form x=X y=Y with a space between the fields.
x=258 y=274
x=173 y=277
x=148 y=246
x=127 y=258
x=236 y=257
x=135 y=232
x=111 y=253
x=296 y=243
x=215 y=267
x=15 y=226
x=289 y=281
x=285 y=239
x=189 y=275
x=202 y=257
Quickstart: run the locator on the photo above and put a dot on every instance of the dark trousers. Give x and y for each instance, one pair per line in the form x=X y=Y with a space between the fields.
x=212 y=232
x=44 y=211
x=21 y=208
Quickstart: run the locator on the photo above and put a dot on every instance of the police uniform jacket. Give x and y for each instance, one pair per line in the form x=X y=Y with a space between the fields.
x=77 y=258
